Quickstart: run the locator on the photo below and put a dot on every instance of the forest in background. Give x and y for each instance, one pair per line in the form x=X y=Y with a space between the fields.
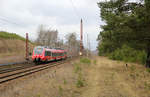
x=126 y=32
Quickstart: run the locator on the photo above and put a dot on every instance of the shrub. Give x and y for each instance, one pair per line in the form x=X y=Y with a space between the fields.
x=128 y=54
x=80 y=81
x=77 y=68
x=60 y=90
x=133 y=68
x=65 y=82
x=85 y=60
x=95 y=62
x=148 y=70
x=147 y=85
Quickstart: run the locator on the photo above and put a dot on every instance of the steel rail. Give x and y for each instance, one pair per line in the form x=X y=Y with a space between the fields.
x=15 y=68
x=29 y=71
x=12 y=68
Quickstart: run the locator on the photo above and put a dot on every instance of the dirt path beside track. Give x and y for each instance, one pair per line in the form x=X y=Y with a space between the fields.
x=109 y=78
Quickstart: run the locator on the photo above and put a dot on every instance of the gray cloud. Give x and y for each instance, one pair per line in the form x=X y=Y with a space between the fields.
x=25 y=16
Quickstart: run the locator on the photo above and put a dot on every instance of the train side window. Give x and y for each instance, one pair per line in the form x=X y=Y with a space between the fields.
x=54 y=54
x=49 y=53
x=46 y=53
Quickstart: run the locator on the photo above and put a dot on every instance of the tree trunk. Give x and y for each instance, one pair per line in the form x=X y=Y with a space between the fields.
x=148 y=57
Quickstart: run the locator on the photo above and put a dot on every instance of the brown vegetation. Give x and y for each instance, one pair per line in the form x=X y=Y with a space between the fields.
x=12 y=50
x=95 y=77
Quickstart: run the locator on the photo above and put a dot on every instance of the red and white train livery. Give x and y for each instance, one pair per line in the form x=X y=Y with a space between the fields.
x=44 y=54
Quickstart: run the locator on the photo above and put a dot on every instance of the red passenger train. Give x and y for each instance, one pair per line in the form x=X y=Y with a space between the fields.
x=44 y=54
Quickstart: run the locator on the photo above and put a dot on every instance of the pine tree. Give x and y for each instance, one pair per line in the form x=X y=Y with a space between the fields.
x=127 y=23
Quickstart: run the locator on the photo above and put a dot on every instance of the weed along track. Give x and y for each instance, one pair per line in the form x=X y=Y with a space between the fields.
x=16 y=73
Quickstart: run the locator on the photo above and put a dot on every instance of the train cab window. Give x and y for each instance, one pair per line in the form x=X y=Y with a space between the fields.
x=46 y=53
x=38 y=51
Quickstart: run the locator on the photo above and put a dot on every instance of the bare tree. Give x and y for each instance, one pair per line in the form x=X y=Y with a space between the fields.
x=39 y=33
x=72 y=44
x=47 y=37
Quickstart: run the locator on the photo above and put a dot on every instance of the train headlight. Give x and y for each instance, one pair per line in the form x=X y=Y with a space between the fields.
x=80 y=53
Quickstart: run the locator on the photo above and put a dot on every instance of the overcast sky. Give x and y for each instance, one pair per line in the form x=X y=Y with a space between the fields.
x=21 y=16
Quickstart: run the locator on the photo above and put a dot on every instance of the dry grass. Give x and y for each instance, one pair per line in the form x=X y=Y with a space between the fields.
x=12 y=50
x=112 y=79
x=55 y=82
x=103 y=78
x=9 y=46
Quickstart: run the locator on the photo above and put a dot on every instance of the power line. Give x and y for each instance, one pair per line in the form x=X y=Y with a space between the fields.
x=8 y=21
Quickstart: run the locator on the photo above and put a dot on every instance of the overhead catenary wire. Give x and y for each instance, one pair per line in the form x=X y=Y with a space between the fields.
x=4 y=19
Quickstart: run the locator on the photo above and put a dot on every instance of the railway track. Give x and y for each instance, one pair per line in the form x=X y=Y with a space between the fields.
x=10 y=69
x=18 y=72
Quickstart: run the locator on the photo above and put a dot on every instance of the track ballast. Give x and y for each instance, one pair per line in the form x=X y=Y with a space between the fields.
x=18 y=72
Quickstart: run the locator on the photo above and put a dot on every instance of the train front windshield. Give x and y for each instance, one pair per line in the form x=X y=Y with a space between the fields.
x=38 y=51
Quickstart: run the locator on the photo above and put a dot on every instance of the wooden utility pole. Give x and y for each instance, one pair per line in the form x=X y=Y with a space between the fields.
x=81 y=38
x=27 y=48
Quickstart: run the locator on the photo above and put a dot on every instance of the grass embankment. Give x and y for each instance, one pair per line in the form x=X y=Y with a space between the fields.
x=12 y=44
x=6 y=35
